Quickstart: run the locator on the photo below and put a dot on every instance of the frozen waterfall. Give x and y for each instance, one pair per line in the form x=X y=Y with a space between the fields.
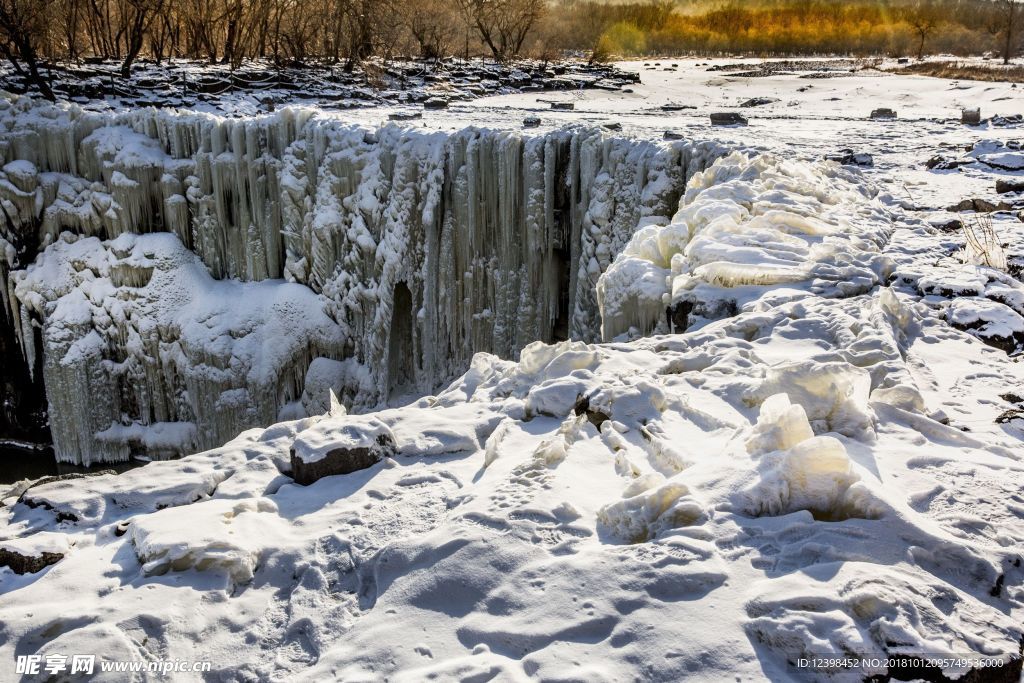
x=393 y=254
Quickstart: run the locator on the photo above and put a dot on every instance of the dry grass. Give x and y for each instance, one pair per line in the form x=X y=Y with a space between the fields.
x=983 y=247
x=966 y=72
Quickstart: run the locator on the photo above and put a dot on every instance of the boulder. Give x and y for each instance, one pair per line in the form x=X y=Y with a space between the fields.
x=672 y=135
x=848 y=157
x=563 y=106
x=759 y=101
x=27 y=564
x=1009 y=185
x=531 y=121
x=435 y=103
x=883 y=113
x=949 y=225
x=727 y=118
x=971 y=117
x=340 y=446
x=979 y=205
x=30 y=554
x=405 y=115
x=941 y=163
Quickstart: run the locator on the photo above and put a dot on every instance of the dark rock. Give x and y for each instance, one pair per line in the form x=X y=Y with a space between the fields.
x=531 y=122
x=405 y=115
x=435 y=103
x=678 y=315
x=883 y=113
x=759 y=101
x=595 y=417
x=985 y=206
x=970 y=117
x=848 y=157
x=1010 y=415
x=979 y=205
x=941 y=163
x=672 y=135
x=612 y=126
x=341 y=460
x=27 y=564
x=949 y=225
x=1012 y=398
x=676 y=107
x=563 y=106
x=727 y=118
x=1008 y=185
x=1001 y=121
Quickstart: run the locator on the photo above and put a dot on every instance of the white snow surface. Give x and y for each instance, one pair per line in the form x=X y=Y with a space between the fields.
x=789 y=508
x=745 y=226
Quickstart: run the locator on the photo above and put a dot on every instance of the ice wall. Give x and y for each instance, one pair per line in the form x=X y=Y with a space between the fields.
x=144 y=351
x=423 y=247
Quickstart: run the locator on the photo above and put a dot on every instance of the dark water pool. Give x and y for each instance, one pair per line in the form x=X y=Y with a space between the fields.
x=17 y=464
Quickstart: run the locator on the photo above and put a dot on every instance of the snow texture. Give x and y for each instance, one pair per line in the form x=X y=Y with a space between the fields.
x=745 y=226
x=791 y=509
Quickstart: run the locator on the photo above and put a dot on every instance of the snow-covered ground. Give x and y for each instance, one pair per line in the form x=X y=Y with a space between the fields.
x=801 y=437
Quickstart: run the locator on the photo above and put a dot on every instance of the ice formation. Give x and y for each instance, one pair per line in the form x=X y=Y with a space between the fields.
x=746 y=226
x=144 y=351
x=422 y=248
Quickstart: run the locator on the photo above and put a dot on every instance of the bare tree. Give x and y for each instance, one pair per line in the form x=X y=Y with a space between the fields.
x=1005 y=23
x=434 y=27
x=924 y=18
x=503 y=24
x=22 y=24
x=138 y=15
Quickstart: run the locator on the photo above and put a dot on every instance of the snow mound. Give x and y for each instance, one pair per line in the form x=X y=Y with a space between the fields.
x=834 y=396
x=216 y=535
x=642 y=517
x=994 y=323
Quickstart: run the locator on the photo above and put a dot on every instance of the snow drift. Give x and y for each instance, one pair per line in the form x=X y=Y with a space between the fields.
x=747 y=227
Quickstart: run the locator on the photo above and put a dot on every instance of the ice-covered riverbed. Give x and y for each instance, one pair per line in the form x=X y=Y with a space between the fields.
x=792 y=428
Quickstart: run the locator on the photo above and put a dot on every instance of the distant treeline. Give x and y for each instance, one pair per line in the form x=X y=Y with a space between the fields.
x=789 y=27
x=350 y=32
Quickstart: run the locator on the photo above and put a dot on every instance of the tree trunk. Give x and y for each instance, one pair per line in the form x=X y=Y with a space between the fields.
x=28 y=55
